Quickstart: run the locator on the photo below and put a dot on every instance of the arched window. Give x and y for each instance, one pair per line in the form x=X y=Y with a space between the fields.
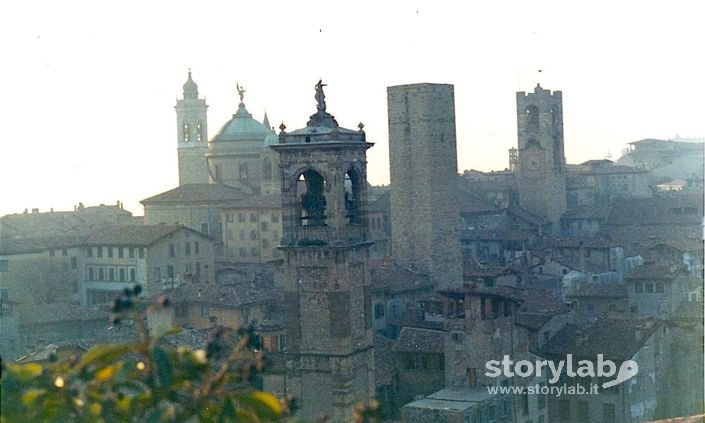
x=532 y=118
x=186 y=132
x=267 y=169
x=353 y=196
x=199 y=131
x=310 y=190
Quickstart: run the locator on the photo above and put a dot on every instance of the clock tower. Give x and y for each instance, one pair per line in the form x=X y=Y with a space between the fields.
x=541 y=168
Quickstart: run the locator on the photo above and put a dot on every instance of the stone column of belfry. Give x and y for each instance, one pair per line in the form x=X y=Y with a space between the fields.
x=424 y=177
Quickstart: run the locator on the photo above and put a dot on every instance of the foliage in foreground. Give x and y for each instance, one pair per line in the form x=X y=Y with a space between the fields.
x=142 y=381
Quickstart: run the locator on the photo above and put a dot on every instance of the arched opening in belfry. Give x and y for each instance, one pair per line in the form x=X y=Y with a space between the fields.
x=532 y=118
x=267 y=169
x=199 y=131
x=310 y=190
x=353 y=196
x=186 y=132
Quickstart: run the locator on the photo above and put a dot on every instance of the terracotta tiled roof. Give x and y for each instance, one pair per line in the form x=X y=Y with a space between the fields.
x=655 y=271
x=532 y=320
x=616 y=339
x=196 y=193
x=670 y=209
x=543 y=301
x=506 y=292
x=527 y=216
x=420 y=340
x=397 y=278
x=132 y=235
x=232 y=296
x=471 y=203
x=30 y=245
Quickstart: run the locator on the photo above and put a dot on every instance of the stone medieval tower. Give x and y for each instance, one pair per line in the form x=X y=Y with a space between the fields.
x=326 y=265
x=192 y=130
x=424 y=173
x=542 y=168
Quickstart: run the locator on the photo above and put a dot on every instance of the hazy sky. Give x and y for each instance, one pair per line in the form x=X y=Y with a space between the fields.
x=89 y=90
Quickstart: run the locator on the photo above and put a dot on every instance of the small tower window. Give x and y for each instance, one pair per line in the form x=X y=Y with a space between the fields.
x=532 y=118
x=313 y=201
x=199 y=131
x=186 y=132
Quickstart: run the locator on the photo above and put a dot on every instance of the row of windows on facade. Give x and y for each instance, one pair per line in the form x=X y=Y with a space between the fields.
x=111 y=273
x=193 y=269
x=253 y=252
x=100 y=296
x=187 y=249
x=254 y=217
x=254 y=235
x=186 y=131
x=649 y=287
x=112 y=252
x=243 y=171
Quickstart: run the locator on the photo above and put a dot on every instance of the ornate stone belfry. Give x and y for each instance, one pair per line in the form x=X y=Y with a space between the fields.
x=326 y=265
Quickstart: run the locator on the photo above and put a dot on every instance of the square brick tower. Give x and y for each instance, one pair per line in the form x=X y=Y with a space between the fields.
x=424 y=177
x=326 y=265
x=542 y=168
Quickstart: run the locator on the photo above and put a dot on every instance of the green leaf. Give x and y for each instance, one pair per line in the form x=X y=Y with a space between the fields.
x=108 y=353
x=264 y=404
x=25 y=372
x=107 y=372
x=31 y=395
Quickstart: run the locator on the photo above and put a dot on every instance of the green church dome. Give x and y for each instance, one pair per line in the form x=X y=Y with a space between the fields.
x=242 y=127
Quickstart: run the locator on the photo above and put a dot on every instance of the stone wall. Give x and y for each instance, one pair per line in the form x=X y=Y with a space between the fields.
x=424 y=166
